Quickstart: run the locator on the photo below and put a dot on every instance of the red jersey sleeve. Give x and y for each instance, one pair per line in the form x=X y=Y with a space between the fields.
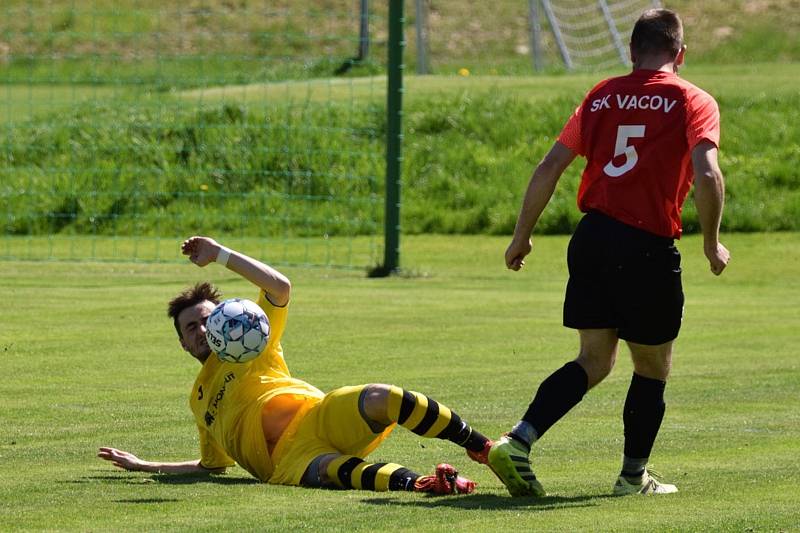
x=571 y=134
x=702 y=122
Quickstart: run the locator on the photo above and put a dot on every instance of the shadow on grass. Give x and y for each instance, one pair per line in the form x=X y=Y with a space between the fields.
x=165 y=479
x=148 y=500
x=188 y=479
x=492 y=501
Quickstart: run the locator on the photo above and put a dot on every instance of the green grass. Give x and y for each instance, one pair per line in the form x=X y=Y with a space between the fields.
x=152 y=120
x=89 y=359
x=342 y=252
x=306 y=158
x=24 y=102
x=163 y=45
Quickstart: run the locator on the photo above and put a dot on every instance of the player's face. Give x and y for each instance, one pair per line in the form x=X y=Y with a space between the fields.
x=192 y=322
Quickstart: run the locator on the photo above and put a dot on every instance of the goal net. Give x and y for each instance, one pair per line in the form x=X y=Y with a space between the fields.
x=590 y=34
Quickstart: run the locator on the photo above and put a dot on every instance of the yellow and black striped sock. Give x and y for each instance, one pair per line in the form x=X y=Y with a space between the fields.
x=349 y=472
x=428 y=418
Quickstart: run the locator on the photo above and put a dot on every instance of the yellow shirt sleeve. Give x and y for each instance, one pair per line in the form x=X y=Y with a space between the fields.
x=211 y=454
x=271 y=362
x=277 y=318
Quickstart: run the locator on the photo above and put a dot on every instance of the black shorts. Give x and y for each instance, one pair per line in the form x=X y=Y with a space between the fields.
x=624 y=278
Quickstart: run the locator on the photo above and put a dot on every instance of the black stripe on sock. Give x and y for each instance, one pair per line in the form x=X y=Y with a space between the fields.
x=431 y=415
x=345 y=471
x=461 y=433
x=369 y=474
x=453 y=429
x=402 y=479
x=406 y=406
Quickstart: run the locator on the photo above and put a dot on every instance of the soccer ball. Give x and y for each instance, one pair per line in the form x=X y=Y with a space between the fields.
x=237 y=330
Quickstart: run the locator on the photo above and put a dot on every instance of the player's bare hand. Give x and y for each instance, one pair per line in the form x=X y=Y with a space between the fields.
x=201 y=250
x=718 y=257
x=516 y=252
x=120 y=459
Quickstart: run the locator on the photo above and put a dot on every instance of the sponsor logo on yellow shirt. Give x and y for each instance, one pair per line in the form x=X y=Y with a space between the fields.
x=211 y=412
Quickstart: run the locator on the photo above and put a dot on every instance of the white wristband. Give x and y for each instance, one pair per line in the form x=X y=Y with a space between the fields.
x=223 y=255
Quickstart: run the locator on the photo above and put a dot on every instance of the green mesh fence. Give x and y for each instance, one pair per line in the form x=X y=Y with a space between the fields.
x=127 y=126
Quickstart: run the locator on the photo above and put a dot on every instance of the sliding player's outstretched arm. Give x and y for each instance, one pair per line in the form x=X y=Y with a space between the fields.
x=128 y=461
x=204 y=250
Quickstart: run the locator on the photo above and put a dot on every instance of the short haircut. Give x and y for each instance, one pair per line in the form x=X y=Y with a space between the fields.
x=189 y=297
x=657 y=31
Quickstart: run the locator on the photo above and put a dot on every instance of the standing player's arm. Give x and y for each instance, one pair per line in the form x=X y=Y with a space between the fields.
x=203 y=250
x=540 y=190
x=709 y=197
x=128 y=461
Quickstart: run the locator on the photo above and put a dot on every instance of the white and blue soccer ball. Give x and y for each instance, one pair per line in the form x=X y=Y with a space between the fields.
x=237 y=330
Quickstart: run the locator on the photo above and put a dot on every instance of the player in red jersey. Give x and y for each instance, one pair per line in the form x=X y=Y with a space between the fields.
x=646 y=137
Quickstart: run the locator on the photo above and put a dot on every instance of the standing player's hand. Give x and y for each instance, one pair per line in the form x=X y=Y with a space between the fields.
x=718 y=257
x=201 y=250
x=121 y=459
x=516 y=252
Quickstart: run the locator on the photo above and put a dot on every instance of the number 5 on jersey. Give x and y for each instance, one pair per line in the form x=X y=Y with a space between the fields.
x=621 y=148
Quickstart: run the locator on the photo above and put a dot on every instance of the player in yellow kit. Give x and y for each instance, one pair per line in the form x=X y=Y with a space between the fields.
x=283 y=430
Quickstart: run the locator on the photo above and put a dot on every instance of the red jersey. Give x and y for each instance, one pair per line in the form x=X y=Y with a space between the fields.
x=637 y=133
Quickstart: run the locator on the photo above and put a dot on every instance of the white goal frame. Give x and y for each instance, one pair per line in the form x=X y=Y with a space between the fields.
x=590 y=33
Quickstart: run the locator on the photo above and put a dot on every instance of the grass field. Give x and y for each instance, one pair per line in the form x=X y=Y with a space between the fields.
x=152 y=119
x=89 y=359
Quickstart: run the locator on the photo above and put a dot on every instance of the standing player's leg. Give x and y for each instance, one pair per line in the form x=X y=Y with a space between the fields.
x=652 y=309
x=556 y=396
x=565 y=387
x=588 y=307
x=642 y=416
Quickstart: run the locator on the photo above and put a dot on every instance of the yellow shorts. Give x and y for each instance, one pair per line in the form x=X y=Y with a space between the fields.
x=333 y=425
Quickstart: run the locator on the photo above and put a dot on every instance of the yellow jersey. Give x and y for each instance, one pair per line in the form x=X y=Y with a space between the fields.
x=227 y=400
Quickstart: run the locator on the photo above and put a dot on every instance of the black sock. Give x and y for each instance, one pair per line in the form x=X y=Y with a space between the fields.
x=557 y=394
x=633 y=469
x=462 y=434
x=644 y=411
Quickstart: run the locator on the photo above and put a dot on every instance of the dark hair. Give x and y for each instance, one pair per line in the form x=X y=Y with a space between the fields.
x=657 y=31
x=189 y=297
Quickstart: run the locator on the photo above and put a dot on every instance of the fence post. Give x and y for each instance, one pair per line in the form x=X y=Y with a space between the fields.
x=394 y=140
x=363 y=31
